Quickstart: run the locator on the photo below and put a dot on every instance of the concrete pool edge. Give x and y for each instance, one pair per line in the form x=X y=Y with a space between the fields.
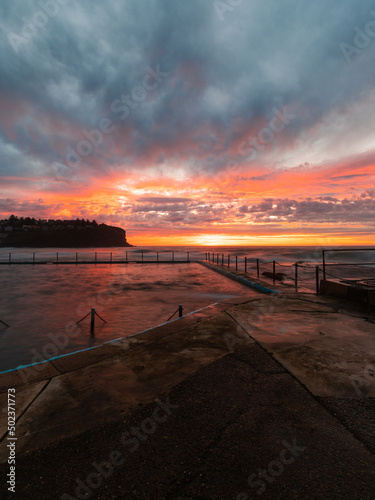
x=36 y=372
x=158 y=364
x=259 y=287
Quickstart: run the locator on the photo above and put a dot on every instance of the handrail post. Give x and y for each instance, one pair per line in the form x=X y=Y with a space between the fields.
x=228 y=260
x=76 y=257
x=217 y=259
x=317 y=279
x=222 y=259
x=157 y=256
x=236 y=262
x=92 y=323
x=172 y=256
x=245 y=265
x=180 y=309
x=274 y=271
x=258 y=268
x=110 y=258
x=296 y=276
x=57 y=257
x=33 y=257
x=10 y=257
x=324 y=265
x=96 y=256
x=142 y=256
x=188 y=257
x=126 y=253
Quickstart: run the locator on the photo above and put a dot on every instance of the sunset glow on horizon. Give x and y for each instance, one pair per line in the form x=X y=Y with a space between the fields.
x=186 y=125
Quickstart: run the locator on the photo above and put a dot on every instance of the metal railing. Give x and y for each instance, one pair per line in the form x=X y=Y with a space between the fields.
x=306 y=275
x=346 y=250
x=269 y=269
x=62 y=257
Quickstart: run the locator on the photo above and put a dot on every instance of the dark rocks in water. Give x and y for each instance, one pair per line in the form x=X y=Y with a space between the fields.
x=278 y=276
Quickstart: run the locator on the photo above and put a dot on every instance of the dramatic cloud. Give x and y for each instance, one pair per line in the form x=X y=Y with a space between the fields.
x=187 y=116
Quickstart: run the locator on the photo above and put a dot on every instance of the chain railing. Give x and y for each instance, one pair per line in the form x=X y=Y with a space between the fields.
x=299 y=274
x=102 y=257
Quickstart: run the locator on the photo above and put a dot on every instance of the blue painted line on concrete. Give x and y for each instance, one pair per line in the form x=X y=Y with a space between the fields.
x=57 y=357
x=96 y=347
x=240 y=279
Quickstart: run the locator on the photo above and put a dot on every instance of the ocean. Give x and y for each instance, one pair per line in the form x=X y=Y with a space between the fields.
x=42 y=303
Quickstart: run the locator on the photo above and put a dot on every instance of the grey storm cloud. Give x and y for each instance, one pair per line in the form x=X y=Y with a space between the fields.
x=218 y=72
x=358 y=209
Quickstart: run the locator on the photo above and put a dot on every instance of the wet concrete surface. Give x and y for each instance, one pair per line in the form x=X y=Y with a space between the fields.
x=246 y=380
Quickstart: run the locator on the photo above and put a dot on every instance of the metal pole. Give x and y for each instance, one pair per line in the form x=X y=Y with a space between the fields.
x=33 y=257
x=96 y=256
x=296 y=276
x=126 y=256
x=10 y=257
x=110 y=258
x=92 y=324
x=324 y=265
x=57 y=257
x=172 y=256
x=76 y=257
x=236 y=262
x=317 y=279
x=157 y=256
x=222 y=259
x=180 y=309
x=188 y=256
x=217 y=259
x=274 y=271
x=245 y=264
x=142 y=256
x=258 y=268
x=228 y=260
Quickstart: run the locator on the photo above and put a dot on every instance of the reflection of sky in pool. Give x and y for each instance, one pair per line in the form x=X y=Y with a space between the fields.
x=39 y=301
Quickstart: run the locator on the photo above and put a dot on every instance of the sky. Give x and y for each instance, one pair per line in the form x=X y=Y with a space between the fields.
x=241 y=122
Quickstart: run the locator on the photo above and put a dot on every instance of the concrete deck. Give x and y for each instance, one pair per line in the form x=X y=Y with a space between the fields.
x=247 y=376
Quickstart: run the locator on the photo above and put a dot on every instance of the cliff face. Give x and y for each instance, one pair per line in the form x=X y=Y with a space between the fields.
x=100 y=236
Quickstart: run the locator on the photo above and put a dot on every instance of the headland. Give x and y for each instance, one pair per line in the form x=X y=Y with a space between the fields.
x=51 y=233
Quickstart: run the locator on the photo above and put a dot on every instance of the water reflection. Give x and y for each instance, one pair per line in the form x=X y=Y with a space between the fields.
x=42 y=303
